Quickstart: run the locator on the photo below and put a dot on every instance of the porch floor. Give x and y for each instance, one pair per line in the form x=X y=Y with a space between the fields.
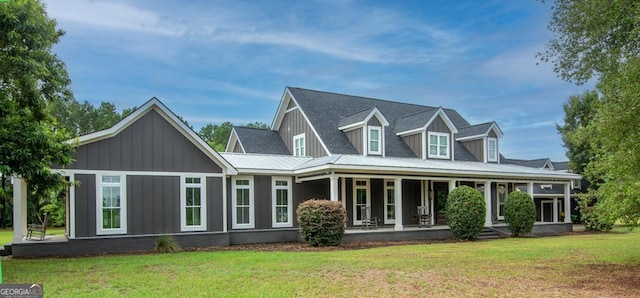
x=47 y=239
x=356 y=229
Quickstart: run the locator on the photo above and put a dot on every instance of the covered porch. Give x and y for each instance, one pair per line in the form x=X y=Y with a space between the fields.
x=394 y=199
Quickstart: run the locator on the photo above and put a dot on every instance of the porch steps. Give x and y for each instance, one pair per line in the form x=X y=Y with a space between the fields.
x=488 y=233
x=5 y=250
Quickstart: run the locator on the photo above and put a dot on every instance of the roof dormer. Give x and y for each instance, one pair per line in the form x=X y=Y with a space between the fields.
x=365 y=129
x=429 y=133
x=482 y=140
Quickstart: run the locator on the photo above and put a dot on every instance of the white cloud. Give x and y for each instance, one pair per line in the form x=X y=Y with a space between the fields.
x=110 y=15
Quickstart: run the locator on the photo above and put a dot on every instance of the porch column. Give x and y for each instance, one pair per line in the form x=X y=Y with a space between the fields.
x=555 y=210
x=19 y=209
x=343 y=191
x=530 y=189
x=567 y=202
x=398 y=205
x=333 y=185
x=452 y=184
x=487 y=200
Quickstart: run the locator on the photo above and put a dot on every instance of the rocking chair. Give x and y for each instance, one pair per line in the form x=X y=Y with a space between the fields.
x=368 y=221
x=38 y=228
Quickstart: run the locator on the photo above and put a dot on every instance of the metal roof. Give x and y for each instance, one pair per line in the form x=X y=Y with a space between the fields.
x=248 y=163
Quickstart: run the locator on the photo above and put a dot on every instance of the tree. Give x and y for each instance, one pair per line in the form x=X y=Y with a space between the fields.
x=579 y=110
x=592 y=37
x=31 y=78
x=601 y=39
x=83 y=118
x=216 y=135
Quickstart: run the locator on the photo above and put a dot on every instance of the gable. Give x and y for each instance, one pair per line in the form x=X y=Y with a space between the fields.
x=438 y=125
x=233 y=144
x=150 y=143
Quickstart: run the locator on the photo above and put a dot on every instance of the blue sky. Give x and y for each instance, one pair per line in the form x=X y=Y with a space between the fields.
x=217 y=61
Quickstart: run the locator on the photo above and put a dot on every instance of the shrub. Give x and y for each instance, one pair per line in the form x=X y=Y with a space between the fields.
x=593 y=216
x=519 y=213
x=167 y=243
x=465 y=211
x=321 y=222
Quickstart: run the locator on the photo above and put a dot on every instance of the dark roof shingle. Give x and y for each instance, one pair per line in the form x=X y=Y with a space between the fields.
x=260 y=140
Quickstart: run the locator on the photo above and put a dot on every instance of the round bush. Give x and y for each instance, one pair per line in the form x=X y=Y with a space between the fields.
x=465 y=212
x=519 y=213
x=321 y=222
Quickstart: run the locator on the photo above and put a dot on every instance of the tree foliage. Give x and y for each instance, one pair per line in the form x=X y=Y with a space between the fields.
x=217 y=136
x=601 y=39
x=466 y=211
x=592 y=37
x=83 y=118
x=579 y=111
x=31 y=78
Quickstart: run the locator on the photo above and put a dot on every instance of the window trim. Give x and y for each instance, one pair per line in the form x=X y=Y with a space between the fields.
x=369 y=151
x=500 y=191
x=438 y=134
x=183 y=204
x=123 y=205
x=234 y=203
x=355 y=198
x=495 y=157
x=303 y=149
x=274 y=202
x=387 y=187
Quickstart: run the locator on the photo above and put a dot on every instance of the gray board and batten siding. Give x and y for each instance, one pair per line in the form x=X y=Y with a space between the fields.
x=415 y=142
x=153 y=202
x=293 y=123
x=153 y=205
x=148 y=144
x=355 y=136
x=476 y=147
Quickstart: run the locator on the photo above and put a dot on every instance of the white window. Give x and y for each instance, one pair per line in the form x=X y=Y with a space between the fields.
x=242 y=203
x=299 y=145
x=360 y=199
x=389 y=202
x=111 y=203
x=576 y=183
x=193 y=204
x=492 y=149
x=438 y=145
x=281 y=199
x=502 y=197
x=375 y=147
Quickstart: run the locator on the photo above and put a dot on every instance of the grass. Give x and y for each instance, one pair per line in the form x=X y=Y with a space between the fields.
x=603 y=264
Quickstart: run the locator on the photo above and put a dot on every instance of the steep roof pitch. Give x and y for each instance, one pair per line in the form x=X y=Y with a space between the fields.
x=260 y=140
x=161 y=109
x=478 y=130
x=420 y=121
x=325 y=111
x=360 y=118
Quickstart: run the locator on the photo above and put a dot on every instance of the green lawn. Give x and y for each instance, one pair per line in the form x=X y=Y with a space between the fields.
x=590 y=265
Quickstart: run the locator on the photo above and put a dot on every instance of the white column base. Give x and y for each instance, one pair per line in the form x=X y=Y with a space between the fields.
x=19 y=209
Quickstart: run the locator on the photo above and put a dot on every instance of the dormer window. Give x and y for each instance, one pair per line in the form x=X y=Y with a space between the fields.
x=438 y=145
x=374 y=147
x=492 y=149
x=298 y=145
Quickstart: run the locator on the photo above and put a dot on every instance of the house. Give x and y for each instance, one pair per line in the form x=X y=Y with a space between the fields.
x=151 y=175
x=548 y=195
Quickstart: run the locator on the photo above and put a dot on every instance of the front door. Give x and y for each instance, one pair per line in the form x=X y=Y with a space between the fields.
x=441 y=191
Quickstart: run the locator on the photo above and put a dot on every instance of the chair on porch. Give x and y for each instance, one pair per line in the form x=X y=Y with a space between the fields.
x=424 y=218
x=368 y=221
x=38 y=228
